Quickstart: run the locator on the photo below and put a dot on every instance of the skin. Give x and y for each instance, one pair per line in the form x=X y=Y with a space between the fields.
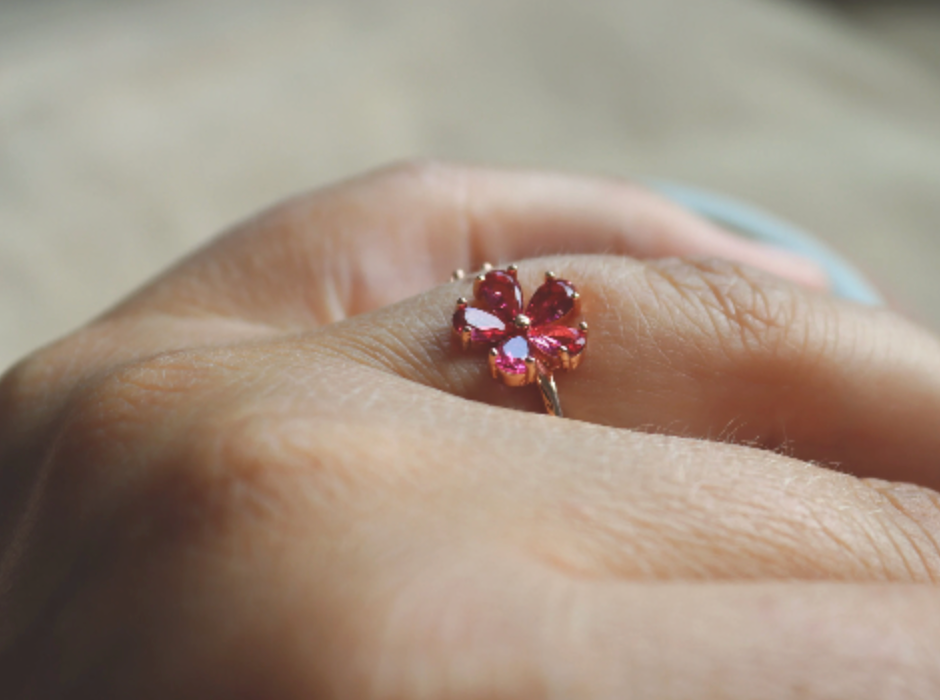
x=271 y=474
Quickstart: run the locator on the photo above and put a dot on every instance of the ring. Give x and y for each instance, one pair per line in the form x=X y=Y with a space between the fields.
x=527 y=343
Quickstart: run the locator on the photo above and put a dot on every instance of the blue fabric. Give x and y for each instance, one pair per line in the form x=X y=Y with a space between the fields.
x=844 y=279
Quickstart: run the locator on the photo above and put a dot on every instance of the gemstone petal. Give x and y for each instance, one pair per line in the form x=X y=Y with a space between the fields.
x=551 y=302
x=500 y=292
x=511 y=355
x=484 y=326
x=549 y=340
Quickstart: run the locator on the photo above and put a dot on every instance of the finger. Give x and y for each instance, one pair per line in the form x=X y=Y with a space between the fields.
x=274 y=468
x=774 y=641
x=389 y=235
x=282 y=431
x=706 y=350
x=685 y=641
x=420 y=547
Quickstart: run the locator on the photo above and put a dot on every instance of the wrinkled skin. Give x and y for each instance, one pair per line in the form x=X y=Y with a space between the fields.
x=271 y=474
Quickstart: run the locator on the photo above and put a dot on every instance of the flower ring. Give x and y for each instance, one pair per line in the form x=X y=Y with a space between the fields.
x=526 y=347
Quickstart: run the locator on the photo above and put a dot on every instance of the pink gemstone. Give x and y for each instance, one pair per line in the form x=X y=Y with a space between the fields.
x=551 y=302
x=512 y=354
x=549 y=341
x=484 y=326
x=500 y=293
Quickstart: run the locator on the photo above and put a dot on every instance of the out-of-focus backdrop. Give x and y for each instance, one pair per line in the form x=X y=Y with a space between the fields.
x=132 y=130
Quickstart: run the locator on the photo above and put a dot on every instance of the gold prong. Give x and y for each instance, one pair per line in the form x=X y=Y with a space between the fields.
x=565 y=357
x=531 y=370
x=550 y=276
x=458 y=275
x=462 y=303
x=487 y=267
x=583 y=327
x=491 y=359
x=576 y=298
x=575 y=360
x=513 y=269
x=465 y=337
x=478 y=280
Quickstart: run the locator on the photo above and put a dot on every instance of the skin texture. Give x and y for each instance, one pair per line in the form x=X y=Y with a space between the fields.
x=271 y=474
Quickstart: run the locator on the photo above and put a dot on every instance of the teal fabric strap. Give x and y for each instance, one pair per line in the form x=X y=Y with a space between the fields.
x=845 y=280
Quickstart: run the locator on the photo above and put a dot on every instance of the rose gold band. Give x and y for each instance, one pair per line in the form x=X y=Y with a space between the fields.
x=549 y=392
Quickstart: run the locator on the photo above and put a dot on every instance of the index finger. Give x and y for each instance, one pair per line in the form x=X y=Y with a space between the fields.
x=394 y=233
x=374 y=240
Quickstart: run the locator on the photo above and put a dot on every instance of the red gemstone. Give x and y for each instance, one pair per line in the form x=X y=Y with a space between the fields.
x=549 y=341
x=484 y=326
x=551 y=302
x=511 y=355
x=500 y=293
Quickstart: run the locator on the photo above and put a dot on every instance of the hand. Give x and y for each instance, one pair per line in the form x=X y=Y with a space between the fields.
x=270 y=474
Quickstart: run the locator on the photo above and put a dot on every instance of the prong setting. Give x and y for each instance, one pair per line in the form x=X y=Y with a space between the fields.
x=531 y=370
x=513 y=270
x=477 y=281
x=491 y=359
x=514 y=379
x=465 y=337
x=457 y=275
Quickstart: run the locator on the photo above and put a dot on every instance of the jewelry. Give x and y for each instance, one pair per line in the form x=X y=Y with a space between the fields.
x=525 y=347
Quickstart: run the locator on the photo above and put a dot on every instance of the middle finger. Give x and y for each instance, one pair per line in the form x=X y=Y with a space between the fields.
x=707 y=350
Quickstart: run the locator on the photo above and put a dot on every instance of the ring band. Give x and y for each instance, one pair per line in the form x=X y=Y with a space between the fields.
x=549 y=391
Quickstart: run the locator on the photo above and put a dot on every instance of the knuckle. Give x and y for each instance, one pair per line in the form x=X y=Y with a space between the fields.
x=246 y=467
x=33 y=379
x=112 y=416
x=191 y=479
x=729 y=303
x=34 y=391
x=910 y=516
x=41 y=384
x=131 y=392
x=17 y=387
x=194 y=454
x=223 y=474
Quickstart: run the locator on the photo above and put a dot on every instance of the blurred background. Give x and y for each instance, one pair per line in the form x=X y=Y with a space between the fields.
x=132 y=130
